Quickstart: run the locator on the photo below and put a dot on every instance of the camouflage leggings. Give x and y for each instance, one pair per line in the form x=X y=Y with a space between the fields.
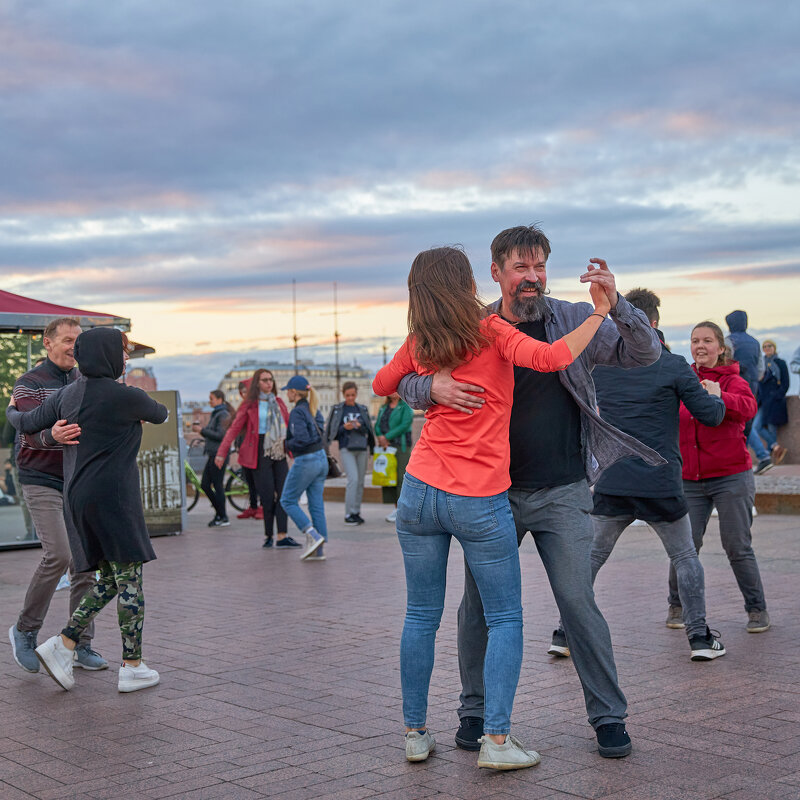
x=120 y=579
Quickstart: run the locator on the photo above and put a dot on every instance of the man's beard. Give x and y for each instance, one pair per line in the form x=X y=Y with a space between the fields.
x=529 y=308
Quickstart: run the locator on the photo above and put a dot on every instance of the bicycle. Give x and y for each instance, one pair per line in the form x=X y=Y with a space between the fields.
x=236 y=489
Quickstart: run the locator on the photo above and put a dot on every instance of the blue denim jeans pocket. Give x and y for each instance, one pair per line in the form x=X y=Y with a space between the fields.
x=411 y=501
x=474 y=515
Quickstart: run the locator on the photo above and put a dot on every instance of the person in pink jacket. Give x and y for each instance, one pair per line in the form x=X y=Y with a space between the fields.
x=263 y=416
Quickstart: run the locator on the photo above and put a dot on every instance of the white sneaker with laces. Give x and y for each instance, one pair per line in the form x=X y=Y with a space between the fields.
x=56 y=658
x=509 y=755
x=314 y=540
x=131 y=679
x=419 y=745
x=392 y=517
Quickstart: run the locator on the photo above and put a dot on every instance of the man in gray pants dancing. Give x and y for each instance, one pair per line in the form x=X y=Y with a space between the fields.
x=559 y=445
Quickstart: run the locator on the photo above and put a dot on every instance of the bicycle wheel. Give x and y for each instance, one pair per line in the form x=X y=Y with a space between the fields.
x=192 y=495
x=237 y=491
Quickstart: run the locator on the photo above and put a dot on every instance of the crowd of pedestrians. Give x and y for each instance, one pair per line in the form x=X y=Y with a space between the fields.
x=565 y=420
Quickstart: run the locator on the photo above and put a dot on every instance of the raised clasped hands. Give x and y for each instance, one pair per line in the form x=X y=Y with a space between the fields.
x=602 y=285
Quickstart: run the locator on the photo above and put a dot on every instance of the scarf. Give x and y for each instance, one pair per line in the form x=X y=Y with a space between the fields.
x=275 y=434
x=770 y=367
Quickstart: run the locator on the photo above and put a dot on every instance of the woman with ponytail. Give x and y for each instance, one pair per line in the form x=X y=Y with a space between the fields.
x=310 y=468
x=456 y=486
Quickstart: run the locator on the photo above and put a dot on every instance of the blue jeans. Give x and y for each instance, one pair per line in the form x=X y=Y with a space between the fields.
x=307 y=475
x=427 y=518
x=762 y=430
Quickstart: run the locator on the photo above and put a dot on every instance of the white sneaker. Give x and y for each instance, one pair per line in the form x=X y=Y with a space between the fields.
x=56 y=658
x=419 y=745
x=314 y=540
x=131 y=679
x=509 y=755
x=392 y=517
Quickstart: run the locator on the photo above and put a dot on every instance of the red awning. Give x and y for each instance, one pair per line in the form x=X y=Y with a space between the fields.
x=20 y=314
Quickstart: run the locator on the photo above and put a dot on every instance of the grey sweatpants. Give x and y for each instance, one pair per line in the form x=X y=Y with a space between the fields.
x=558 y=518
x=46 y=506
x=355 y=465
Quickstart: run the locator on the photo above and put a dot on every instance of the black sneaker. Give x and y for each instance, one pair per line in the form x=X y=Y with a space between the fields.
x=613 y=740
x=359 y=520
x=268 y=542
x=708 y=647
x=214 y=522
x=223 y=521
x=286 y=542
x=470 y=733
x=763 y=466
x=558 y=644
x=352 y=519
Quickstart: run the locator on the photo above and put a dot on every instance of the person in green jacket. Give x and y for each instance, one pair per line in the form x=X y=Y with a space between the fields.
x=393 y=429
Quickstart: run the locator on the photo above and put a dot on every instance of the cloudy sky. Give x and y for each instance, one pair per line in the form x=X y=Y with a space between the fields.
x=181 y=164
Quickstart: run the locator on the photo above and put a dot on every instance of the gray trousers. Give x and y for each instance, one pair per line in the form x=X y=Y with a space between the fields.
x=677 y=540
x=46 y=506
x=355 y=465
x=558 y=518
x=733 y=495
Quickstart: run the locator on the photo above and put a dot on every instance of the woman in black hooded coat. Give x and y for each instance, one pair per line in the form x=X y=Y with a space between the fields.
x=102 y=501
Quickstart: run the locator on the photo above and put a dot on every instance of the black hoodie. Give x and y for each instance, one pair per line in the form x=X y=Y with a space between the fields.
x=101 y=479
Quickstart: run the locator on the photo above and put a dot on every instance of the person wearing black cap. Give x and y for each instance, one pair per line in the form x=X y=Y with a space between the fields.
x=304 y=440
x=102 y=499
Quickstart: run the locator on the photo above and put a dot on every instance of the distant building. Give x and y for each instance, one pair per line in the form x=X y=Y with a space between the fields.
x=142 y=377
x=321 y=376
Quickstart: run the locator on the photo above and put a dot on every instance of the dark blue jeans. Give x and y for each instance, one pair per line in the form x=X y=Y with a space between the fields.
x=427 y=519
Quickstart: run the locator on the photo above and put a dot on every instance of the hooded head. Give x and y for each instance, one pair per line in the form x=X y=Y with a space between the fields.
x=99 y=353
x=737 y=321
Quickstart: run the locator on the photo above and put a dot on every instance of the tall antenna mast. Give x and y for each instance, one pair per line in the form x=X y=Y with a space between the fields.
x=294 y=322
x=336 y=335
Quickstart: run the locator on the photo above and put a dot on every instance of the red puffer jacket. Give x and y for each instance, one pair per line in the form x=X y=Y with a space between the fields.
x=247 y=418
x=715 y=452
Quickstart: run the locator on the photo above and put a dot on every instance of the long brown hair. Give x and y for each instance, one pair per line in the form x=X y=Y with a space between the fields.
x=253 y=391
x=725 y=356
x=444 y=313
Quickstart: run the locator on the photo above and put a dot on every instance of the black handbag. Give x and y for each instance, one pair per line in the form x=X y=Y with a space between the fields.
x=333 y=466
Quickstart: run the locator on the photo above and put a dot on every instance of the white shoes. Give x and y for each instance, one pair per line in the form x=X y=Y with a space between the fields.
x=131 y=679
x=419 y=745
x=314 y=540
x=392 y=517
x=509 y=755
x=56 y=658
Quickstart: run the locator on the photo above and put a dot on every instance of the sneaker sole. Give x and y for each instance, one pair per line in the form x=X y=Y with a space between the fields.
x=466 y=744
x=14 y=652
x=707 y=655
x=352 y=524
x=615 y=752
x=312 y=549
x=676 y=626
x=419 y=757
x=763 y=469
x=503 y=766
x=753 y=630
x=134 y=686
x=557 y=650
x=57 y=674
x=89 y=669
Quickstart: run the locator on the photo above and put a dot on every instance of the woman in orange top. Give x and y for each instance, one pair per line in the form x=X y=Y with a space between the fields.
x=456 y=483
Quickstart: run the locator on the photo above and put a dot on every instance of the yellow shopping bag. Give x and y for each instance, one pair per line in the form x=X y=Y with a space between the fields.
x=384 y=467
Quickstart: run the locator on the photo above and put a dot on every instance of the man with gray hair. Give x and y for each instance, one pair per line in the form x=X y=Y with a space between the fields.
x=559 y=445
x=41 y=478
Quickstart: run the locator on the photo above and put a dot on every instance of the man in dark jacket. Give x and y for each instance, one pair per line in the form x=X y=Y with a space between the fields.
x=41 y=477
x=746 y=350
x=212 y=482
x=559 y=445
x=644 y=402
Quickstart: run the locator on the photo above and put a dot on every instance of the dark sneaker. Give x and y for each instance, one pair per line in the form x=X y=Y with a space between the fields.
x=84 y=657
x=763 y=466
x=708 y=647
x=757 y=621
x=675 y=617
x=351 y=519
x=613 y=740
x=223 y=521
x=268 y=542
x=558 y=645
x=214 y=522
x=359 y=519
x=470 y=733
x=287 y=542
x=23 y=648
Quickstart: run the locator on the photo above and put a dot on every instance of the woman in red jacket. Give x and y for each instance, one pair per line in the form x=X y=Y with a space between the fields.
x=717 y=470
x=263 y=416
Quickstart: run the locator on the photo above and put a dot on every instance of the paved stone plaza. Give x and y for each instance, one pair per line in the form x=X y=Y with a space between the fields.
x=280 y=679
